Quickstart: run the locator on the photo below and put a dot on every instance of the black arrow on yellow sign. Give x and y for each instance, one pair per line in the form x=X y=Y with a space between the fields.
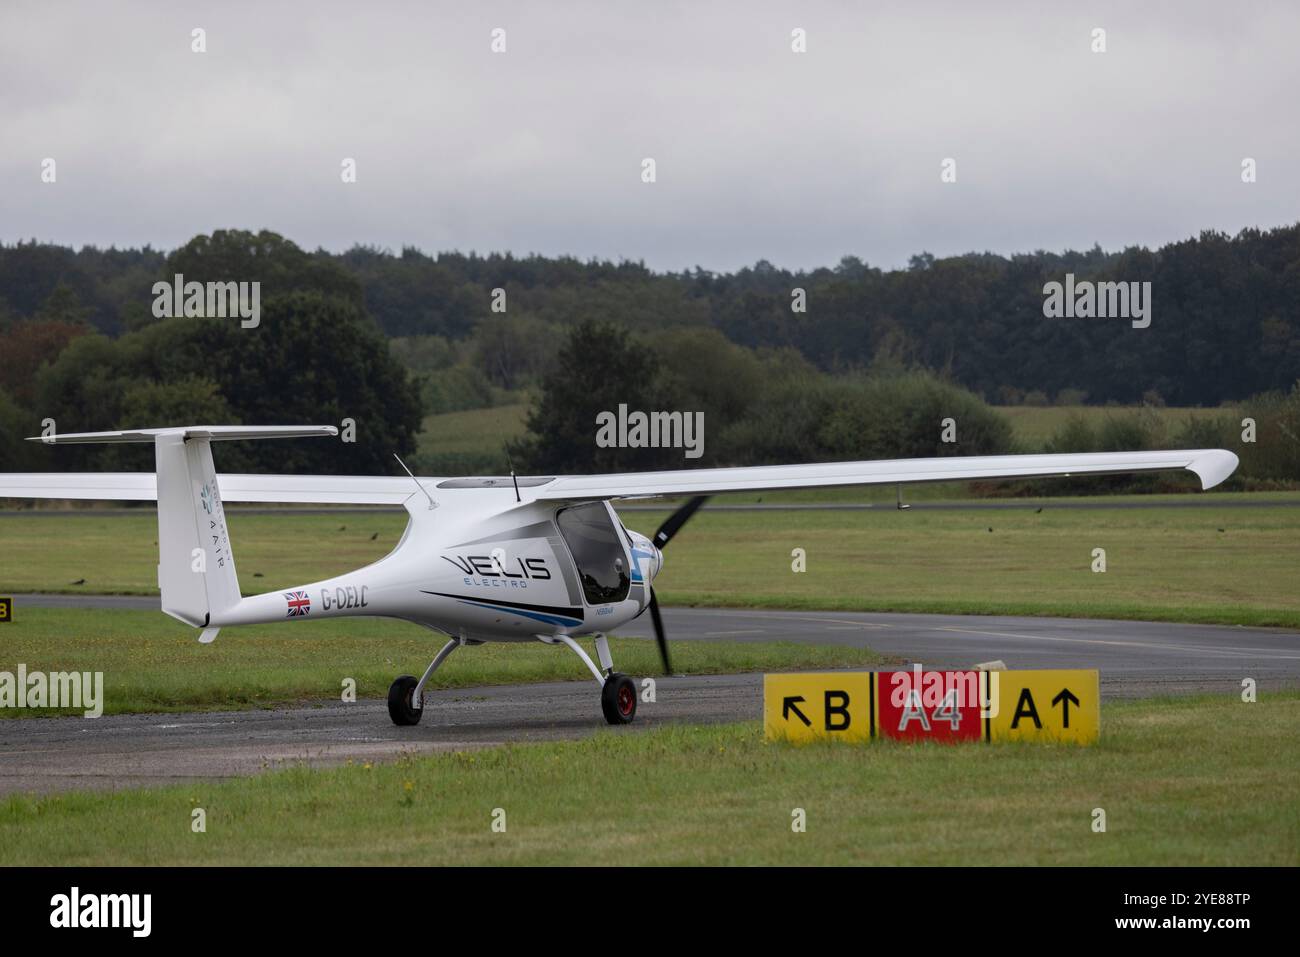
x=1065 y=699
x=790 y=703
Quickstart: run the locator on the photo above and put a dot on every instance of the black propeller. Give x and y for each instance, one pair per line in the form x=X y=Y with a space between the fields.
x=676 y=520
x=659 y=632
x=661 y=538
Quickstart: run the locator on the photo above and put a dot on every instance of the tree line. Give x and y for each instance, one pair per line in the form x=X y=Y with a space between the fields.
x=843 y=362
x=1225 y=323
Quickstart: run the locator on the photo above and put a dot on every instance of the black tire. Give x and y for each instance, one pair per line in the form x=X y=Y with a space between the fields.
x=401 y=707
x=618 y=699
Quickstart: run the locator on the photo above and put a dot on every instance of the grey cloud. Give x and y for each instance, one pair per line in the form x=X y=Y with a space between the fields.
x=761 y=153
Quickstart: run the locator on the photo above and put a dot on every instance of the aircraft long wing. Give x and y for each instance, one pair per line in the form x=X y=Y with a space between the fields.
x=1212 y=466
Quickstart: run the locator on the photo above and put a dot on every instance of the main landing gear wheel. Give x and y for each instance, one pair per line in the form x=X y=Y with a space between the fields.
x=618 y=699
x=401 y=703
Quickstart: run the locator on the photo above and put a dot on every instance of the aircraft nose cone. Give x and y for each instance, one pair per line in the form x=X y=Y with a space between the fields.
x=659 y=561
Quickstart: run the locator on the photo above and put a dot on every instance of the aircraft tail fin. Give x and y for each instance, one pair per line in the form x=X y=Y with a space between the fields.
x=196 y=568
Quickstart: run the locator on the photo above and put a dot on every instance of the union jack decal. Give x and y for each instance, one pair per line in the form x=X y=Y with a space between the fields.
x=299 y=603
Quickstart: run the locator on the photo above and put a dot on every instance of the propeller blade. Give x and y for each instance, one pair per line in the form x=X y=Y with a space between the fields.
x=666 y=531
x=676 y=520
x=659 y=632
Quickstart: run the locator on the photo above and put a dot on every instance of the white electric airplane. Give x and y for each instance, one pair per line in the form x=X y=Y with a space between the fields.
x=533 y=558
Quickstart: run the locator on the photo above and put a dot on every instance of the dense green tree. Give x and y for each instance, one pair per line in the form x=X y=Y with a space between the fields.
x=63 y=305
x=237 y=255
x=312 y=360
x=512 y=350
x=17 y=454
x=28 y=345
x=599 y=366
x=812 y=418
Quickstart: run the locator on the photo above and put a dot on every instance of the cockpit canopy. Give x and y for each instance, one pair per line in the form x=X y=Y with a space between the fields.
x=597 y=550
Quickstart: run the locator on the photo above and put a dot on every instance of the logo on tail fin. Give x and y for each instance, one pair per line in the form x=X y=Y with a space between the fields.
x=299 y=603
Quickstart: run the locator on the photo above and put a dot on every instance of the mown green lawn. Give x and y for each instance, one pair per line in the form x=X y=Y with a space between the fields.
x=474 y=430
x=1225 y=565
x=474 y=440
x=117 y=553
x=1200 y=781
x=1214 y=564
x=154 y=663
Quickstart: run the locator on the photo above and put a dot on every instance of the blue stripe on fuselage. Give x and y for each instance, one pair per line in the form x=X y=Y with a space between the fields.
x=536 y=616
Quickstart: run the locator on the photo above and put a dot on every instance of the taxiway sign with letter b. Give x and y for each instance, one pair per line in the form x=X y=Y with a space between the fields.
x=805 y=707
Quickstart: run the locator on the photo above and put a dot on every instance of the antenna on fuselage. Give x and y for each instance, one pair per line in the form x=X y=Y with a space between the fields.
x=432 y=503
x=510 y=463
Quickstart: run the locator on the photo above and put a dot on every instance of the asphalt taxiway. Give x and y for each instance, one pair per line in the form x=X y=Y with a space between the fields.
x=1134 y=658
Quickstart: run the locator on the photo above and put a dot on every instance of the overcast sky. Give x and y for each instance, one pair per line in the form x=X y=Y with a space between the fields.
x=760 y=152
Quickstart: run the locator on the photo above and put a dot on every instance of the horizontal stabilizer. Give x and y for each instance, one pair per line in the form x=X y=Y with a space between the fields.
x=262 y=489
x=214 y=433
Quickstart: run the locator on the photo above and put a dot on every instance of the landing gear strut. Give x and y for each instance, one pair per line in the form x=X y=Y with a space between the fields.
x=617 y=691
x=406 y=695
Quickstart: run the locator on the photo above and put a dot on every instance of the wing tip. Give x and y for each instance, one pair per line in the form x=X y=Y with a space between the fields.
x=1213 y=466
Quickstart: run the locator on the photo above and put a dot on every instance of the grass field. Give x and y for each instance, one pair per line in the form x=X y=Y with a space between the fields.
x=1182 y=782
x=475 y=432
x=1214 y=564
x=1225 y=565
x=152 y=663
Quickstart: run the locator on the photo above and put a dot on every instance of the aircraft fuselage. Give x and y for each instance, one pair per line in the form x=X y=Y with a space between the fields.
x=529 y=569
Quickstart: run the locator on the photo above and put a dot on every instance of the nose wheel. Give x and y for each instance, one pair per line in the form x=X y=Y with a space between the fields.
x=618 y=699
x=617 y=691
